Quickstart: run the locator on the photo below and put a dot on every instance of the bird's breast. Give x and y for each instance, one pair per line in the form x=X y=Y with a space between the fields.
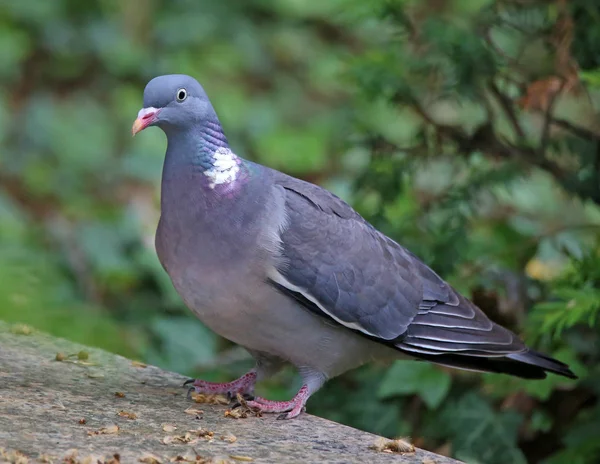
x=212 y=268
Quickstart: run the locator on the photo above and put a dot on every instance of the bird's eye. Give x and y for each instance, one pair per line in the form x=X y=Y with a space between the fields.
x=181 y=95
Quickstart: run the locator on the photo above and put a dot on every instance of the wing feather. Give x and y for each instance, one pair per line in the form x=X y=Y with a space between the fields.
x=341 y=267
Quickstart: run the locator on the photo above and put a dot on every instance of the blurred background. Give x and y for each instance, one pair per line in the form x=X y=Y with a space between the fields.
x=468 y=130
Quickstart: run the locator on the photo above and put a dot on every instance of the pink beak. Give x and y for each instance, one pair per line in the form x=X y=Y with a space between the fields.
x=145 y=117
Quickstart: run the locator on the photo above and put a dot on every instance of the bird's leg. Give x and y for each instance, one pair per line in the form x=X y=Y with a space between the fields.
x=292 y=408
x=244 y=386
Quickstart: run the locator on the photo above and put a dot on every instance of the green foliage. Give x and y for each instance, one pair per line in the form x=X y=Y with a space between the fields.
x=574 y=307
x=574 y=299
x=183 y=344
x=438 y=121
x=409 y=377
x=582 y=445
x=592 y=77
x=481 y=434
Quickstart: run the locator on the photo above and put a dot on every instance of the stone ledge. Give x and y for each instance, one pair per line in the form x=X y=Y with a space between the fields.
x=49 y=407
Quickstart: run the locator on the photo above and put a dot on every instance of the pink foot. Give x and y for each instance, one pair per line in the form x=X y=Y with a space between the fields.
x=244 y=386
x=292 y=408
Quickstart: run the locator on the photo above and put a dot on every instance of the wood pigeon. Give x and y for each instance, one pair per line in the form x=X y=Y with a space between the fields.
x=293 y=274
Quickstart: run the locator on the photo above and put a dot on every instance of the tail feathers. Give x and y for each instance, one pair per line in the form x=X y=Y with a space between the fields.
x=541 y=361
x=527 y=365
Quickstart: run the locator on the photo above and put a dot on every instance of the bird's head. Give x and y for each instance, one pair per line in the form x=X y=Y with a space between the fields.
x=173 y=101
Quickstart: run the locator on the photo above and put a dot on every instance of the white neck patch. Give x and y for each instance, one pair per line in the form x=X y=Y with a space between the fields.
x=225 y=167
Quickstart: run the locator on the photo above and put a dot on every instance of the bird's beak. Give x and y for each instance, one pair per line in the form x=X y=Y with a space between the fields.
x=145 y=117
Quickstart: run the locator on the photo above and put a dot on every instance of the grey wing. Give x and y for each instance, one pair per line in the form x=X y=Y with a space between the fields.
x=342 y=268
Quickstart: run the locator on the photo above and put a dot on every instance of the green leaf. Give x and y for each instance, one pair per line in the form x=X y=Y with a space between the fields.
x=185 y=343
x=576 y=306
x=541 y=421
x=295 y=149
x=413 y=377
x=481 y=434
x=591 y=77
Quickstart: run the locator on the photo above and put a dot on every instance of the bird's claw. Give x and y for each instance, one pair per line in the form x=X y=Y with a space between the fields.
x=290 y=409
x=244 y=386
x=189 y=393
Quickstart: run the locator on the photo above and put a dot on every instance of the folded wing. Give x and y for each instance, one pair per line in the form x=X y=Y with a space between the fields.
x=340 y=267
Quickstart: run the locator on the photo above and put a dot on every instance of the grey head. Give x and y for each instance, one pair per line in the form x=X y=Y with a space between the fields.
x=178 y=105
x=175 y=103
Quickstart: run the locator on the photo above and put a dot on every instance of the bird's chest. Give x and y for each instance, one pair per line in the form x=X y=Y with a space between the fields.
x=218 y=277
x=197 y=256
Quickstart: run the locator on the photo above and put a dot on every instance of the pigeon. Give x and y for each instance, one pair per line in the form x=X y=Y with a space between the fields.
x=293 y=274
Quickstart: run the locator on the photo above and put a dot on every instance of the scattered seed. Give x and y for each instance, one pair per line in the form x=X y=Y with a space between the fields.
x=149 y=458
x=186 y=438
x=236 y=413
x=13 y=457
x=21 y=329
x=166 y=440
x=92 y=459
x=193 y=411
x=168 y=428
x=139 y=364
x=115 y=459
x=127 y=414
x=81 y=360
x=190 y=437
x=120 y=394
x=110 y=430
x=241 y=458
x=71 y=456
x=229 y=438
x=400 y=445
x=82 y=421
x=201 y=433
x=196 y=459
x=243 y=411
x=209 y=399
x=45 y=459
